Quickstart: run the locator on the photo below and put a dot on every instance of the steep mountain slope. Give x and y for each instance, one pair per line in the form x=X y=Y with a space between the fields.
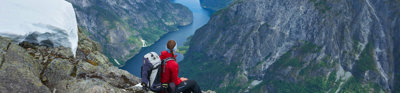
x=26 y=67
x=298 y=46
x=122 y=27
x=215 y=4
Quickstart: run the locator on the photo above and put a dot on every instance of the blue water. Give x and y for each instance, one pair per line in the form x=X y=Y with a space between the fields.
x=200 y=17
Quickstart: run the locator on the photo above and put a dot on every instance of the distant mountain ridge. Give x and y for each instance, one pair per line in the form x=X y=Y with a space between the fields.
x=123 y=27
x=298 y=46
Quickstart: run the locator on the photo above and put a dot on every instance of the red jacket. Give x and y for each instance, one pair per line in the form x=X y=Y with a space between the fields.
x=171 y=70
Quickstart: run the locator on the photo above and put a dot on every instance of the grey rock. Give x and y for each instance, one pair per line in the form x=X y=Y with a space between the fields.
x=28 y=67
x=57 y=70
x=257 y=33
x=19 y=71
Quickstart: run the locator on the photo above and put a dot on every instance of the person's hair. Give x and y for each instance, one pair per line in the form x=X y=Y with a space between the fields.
x=171 y=45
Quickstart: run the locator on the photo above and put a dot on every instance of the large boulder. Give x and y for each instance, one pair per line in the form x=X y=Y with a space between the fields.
x=26 y=67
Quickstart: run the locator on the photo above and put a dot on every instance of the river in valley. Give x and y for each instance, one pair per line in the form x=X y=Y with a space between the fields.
x=200 y=18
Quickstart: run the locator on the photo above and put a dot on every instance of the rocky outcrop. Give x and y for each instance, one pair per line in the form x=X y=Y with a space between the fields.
x=298 y=46
x=123 y=27
x=26 y=67
x=215 y=4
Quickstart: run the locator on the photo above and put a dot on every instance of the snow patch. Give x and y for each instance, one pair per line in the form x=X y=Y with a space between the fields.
x=255 y=83
x=340 y=87
x=262 y=22
x=341 y=74
x=252 y=84
x=139 y=85
x=116 y=61
x=52 y=21
x=143 y=42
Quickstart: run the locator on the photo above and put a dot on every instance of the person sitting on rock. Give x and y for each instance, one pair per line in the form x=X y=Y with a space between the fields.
x=170 y=71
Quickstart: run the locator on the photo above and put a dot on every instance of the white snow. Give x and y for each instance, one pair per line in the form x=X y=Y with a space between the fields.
x=340 y=87
x=139 y=85
x=252 y=84
x=116 y=61
x=144 y=42
x=341 y=74
x=52 y=20
x=255 y=82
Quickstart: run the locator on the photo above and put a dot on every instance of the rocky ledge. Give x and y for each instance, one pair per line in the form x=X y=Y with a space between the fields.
x=26 y=67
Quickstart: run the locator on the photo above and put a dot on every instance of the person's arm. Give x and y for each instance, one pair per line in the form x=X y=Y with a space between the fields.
x=183 y=79
x=174 y=71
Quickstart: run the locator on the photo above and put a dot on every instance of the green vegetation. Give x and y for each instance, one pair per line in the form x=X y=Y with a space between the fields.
x=301 y=77
x=110 y=24
x=259 y=88
x=220 y=11
x=311 y=84
x=183 y=49
x=84 y=30
x=356 y=47
x=199 y=67
x=321 y=5
x=397 y=83
x=397 y=72
x=234 y=85
x=207 y=72
x=259 y=65
x=308 y=82
x=309 y=76
x=323 y=64
x=109 y=19
x=295 y=61
x=356 y=86
x=134 y=40
x=210 y=74
x=215 y=67
x=365 y=62
x=151 y=34
x=309 y=47
x=286 y=61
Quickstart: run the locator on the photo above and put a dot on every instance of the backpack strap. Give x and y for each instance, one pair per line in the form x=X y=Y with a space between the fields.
x=164 y=62
x=167 y=59
x=155 y=68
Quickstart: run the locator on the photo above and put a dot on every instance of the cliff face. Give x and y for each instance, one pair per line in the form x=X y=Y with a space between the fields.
x=122 y=27
x=215 y=4
x=298 y=46
x=26 y=67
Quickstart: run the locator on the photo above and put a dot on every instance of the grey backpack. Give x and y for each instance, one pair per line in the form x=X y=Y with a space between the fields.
x=151 y=72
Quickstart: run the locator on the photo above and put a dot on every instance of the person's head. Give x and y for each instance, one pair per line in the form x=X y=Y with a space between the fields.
x=171 y=45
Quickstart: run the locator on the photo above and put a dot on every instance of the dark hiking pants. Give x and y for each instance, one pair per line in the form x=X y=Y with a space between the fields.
x=188 y=86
